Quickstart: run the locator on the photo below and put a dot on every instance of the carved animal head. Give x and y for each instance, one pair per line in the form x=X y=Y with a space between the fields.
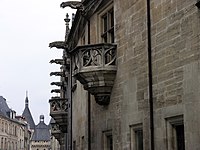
x=62 y=5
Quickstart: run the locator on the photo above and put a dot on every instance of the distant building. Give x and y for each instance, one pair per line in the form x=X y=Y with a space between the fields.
x=14 y=130
x=41 y=136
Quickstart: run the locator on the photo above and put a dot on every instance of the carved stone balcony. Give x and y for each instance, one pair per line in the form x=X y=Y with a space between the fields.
x=58 y=111
x=95 y=67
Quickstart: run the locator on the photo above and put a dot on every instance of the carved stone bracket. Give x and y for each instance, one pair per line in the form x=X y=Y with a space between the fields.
x=95 y=67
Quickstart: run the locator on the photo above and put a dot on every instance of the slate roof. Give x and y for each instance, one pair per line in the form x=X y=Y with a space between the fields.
x=27 y=115
x=41 y=132
x=4 y=109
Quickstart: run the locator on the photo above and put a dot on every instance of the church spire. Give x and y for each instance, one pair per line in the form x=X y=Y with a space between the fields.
x=26 y=100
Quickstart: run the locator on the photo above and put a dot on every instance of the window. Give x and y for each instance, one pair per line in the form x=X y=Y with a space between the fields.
x=107 y=26
x=108 y=140
x=2 y=143
x=2 y=129
x=5 y=144
x=74 y=145
x=136 y=137
x=175 y=133
x=6 y=127
x=82 y=143
x=180 y=139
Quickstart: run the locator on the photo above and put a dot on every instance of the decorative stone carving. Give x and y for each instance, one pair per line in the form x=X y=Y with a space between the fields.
x=95 y=67
x=57 y=61
x=59 y=105
x=55 y=129
x=86 y=8
x=58 y=44
x=72 y=4
x=56 y=91
x=57 y=83
x=62 y=74
x=58 y=110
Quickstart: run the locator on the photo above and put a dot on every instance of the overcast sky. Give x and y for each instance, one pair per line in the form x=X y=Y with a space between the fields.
x=26 y=29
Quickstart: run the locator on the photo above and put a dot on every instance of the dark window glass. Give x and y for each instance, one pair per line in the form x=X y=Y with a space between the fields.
x=180 y=138
x=108 y=27
x=74 y=145
x=105 y=23
x=139 y=139
x=109 y=142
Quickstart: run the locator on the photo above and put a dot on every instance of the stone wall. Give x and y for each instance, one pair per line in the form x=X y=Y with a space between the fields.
x=175 y=36
x=176 y=76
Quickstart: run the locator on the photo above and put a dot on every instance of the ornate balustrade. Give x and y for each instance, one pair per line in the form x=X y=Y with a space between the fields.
x=95 y=67
x=55 y=130
x=58 y=110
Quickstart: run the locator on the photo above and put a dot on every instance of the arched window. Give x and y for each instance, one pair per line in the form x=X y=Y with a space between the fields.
x=5 y=145
x=2 y=143
x=2 y=129
x=6 y=127
x=15 y=130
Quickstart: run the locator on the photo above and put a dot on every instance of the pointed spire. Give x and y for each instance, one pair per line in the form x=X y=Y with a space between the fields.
x=67 y=20
x=26 y=100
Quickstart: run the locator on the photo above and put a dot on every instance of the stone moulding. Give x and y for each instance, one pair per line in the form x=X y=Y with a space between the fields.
x=95 y=67
x=58 y=110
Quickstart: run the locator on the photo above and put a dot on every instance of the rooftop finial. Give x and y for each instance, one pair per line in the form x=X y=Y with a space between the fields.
x=41 y=118
x=67 y=20
x=26 y=100
x=73 y=16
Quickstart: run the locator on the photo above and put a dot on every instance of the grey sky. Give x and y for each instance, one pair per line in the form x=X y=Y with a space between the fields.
x=26 y=29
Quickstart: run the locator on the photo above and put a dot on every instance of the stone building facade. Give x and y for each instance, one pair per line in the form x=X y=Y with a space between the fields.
x=14 y=130
x=134 y=75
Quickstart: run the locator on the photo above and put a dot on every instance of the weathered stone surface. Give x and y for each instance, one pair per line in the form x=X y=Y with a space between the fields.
x=175 y=67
